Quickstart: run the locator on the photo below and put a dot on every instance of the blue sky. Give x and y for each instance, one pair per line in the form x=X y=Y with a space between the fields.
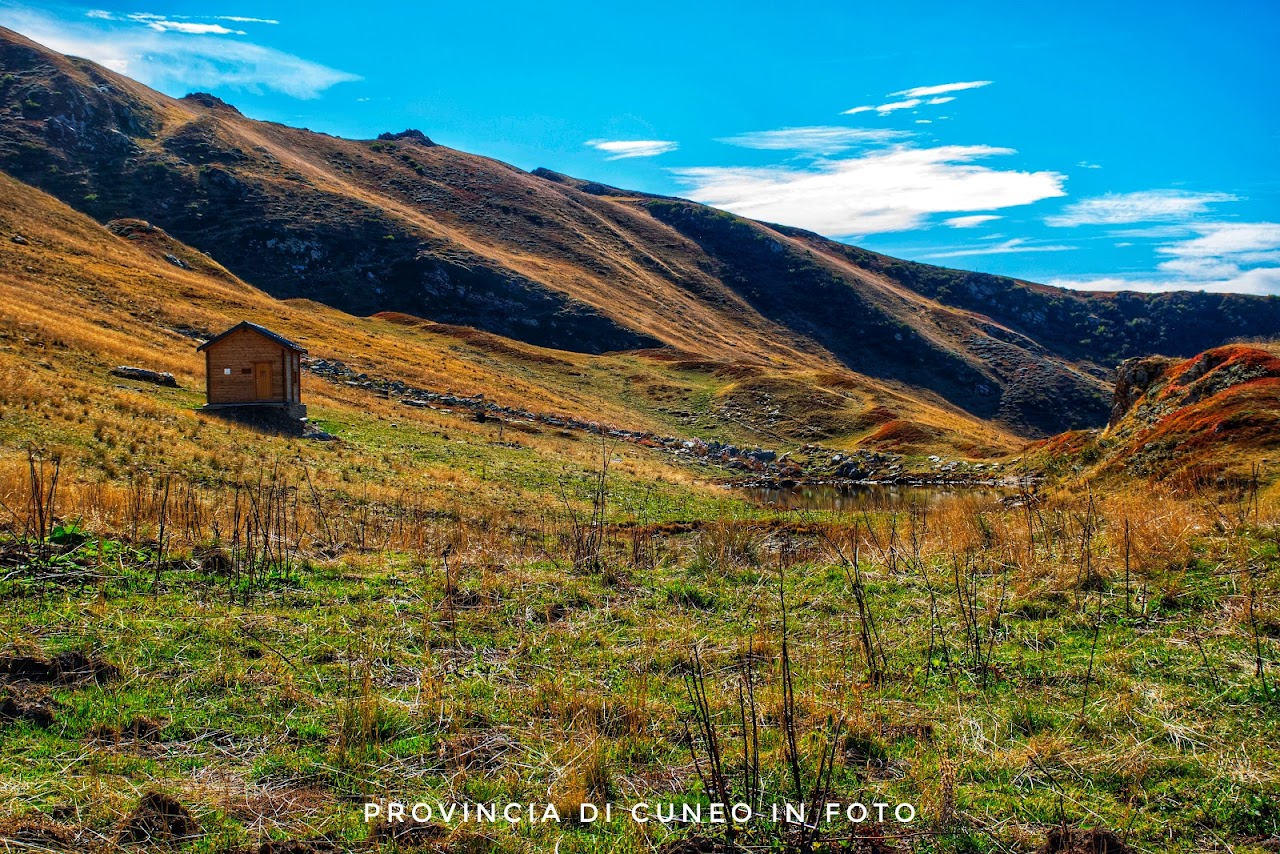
x=1112 y=145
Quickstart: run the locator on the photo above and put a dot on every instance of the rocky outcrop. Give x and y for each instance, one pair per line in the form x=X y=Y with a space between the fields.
x=410 y=135
x=143 y=375
x=1134 y=377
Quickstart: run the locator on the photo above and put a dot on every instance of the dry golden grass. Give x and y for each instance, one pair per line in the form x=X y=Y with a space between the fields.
x=83 y=300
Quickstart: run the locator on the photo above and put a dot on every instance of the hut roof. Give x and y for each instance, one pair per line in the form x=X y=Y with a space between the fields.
x=261 y=330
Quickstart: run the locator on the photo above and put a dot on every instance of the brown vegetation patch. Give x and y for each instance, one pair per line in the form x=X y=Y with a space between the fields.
x=1069 y=840
x=280 y=804
x=463 y=597
x=213 y=560
x=692 y=845
x=293 y=846
x=480 y=340
x=37 y=833
x=407 y=834
x=158 y=818
x=65 y=668
x=142 y=730
x=847 y=382
x=480 y=751
x=898 y=432
x=552 y=612
x=876 y=416
x=24 y=702
x=902 y=732
x=738 y=370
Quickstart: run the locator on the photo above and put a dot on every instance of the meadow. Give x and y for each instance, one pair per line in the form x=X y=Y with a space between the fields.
x=272 y=652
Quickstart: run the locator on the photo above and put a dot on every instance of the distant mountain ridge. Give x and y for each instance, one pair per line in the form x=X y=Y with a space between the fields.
x=403 y=224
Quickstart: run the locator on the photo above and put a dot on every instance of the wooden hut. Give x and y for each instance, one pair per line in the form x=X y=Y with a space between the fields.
x=249 y=365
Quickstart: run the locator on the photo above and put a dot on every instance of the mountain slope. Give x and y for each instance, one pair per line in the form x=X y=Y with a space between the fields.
x=80 y=298
x=401 y=224
x=1208 y=419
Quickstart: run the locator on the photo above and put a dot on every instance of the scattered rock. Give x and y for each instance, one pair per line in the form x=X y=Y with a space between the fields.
x=20 y=240
x=212 y=102
x=158 y=818
x=1134 y=377
x=145 y=376
x=176 y=261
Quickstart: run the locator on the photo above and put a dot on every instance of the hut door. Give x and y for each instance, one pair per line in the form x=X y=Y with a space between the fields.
x=262 y=380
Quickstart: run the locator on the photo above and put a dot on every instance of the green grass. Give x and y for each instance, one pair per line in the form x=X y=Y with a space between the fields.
x=356 y=677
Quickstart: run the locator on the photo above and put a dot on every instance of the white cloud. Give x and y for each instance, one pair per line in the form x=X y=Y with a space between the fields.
x=177 y=62
x=1085 y=164
x=1144 y=206
x=161 y=25
x=1222 y=250
x=925 y=91
x=883 y=109
x=813 y=140
x=1240 y=257
x=894 y=189
x=1263 y=281
x=970 y=221
x=1153 y=232
x=619 y=149
x=1221 y=239
x=239 y=20
x=898 y=105
x=100 y=14
x=913 y=98
x=924 y=121
x=1015 y=244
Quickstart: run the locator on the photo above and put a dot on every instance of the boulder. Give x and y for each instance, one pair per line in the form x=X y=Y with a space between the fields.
x=145 y=376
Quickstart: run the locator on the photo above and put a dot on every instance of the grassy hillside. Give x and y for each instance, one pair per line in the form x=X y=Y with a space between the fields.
x=403 y=225
x=233 y=638
x=85 y=298
x=1214 y=419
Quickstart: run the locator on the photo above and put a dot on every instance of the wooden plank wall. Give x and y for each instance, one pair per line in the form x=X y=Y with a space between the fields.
x=238 y=352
